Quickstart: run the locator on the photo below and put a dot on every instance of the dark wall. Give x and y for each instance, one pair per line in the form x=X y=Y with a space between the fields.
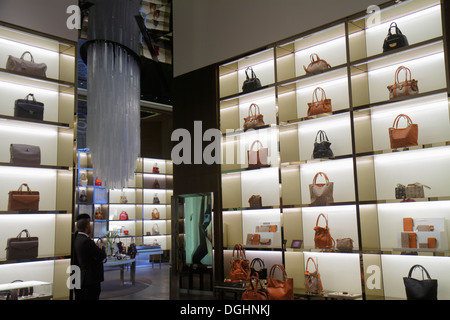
x=155 y=136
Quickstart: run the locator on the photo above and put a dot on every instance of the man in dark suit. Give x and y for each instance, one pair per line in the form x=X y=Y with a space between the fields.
x=89 y=258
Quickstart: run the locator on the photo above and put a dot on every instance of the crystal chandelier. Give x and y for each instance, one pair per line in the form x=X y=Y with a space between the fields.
x=113 y=90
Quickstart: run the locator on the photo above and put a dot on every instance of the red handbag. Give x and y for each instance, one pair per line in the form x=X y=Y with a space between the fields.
x=123 y=216
x=98 y=182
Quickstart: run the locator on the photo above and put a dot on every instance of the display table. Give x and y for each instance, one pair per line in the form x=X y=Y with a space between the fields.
x=113 y=262
x=151 y=251
x=325 y=295
x=222 y=288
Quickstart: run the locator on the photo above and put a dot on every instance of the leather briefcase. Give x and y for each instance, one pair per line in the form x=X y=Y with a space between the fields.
x=23 y=200
x=22 y=247
x=25 y=154
x=30 y=109
x=394 y=40
x=251 y=83
x=24 y=66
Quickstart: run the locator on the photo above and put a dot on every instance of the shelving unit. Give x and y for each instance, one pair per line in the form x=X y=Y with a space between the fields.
x=364 y=168
x=53 y=177
x=141 y=227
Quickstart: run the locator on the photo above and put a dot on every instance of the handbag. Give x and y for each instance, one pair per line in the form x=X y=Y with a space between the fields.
x=253 y=239
x=400 y=191
x=316 y=65
x=255 y=201
x=257 y=158
x=313 y=283
x=240 y=266
x=406 y=88
x=98 y=214
x=254 y=119
x=322 y=147
x=344 y=244
x=321 y=194
x=123 y=198
x=23 y=200
x=156 y=184
x=24 y=66
x=319 y=106
x=30 y=109
x=155 y=168
x=155 y=229
x=98 y=182
x=83 y=179
x=22 y=247
x=123 y=215
x=280 y=289
x=155 y=214
x=14 y=294
x=403 y=137
x=415 y=190
x=25 y=154
x=156 y=199
x=251 y=83
x=425 y=289
x=322 y=236
x=394 y=40
x=255 y=291
x=262 y=270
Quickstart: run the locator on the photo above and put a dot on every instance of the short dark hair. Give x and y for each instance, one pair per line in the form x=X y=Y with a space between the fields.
x=83 y=223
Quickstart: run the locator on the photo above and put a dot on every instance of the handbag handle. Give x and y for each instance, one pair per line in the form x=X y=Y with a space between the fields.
x=323 y=174
x=260 y=262
x=314 y=55
x=26 y=232
x=23 y=55
x=420 y=267
x=407 y=72
x=397 y=119
x=322 y=136
x=255 y=108
x=279 y=266
x=326 y=220
x=32 y=95
x=240 y=251
x=254 y=288
x=253 y=73
x=307 y=262
x=258 y=142
x=153 y=211
x=323 y=96
x=394 y=25
x=26 y=185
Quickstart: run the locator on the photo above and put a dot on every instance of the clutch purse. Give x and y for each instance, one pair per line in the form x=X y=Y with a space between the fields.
x=28 y=67
x=22 y=247
x=25 y=154
x=30 y=109
x=23 y=200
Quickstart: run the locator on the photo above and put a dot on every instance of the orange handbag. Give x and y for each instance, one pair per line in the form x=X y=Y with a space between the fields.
x=403 y=137
x=254 y=119
x=317 y=106
x=155 y=214
x=255 y=291
x=280 y=289
x=322 y=237
x=240 y=266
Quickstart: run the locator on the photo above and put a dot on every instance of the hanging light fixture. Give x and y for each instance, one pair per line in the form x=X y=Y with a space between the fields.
x=111 y=53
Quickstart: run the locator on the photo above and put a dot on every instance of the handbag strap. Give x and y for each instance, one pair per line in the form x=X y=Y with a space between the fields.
x=326 y=220
x=153 y=211
x=32 y=95
x=314 y=55
x=322 y=174
x=397 y=119
x=23 y=55
x=314 y=262
x=322 y=136
x=259 y=261
x=240 y=251
x=420 y=267
x=322 y=97
x=407 y=72
x=279 y=266
x=394 y=25
x=256 y=142
x=21 y=186
x=253 y=111
x=253 y=73
x=26 y=232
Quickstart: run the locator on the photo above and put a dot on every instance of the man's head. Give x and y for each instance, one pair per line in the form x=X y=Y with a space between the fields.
x=84 y=223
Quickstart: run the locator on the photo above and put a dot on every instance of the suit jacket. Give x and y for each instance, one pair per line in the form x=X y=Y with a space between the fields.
x=89 y=258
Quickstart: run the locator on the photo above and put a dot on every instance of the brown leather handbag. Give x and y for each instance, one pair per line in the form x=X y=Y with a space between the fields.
x=321 y=193
x=318 y=106
x=403 y=137
x=23 y=200
x=316 y=65
x=255 y=291
x=255 y=119
x=257 y=158
x=280 y=289
x=240 y=266
x=255 y=201
x=404 y=88
x=313 y=283
x=155 y=214
x=322 y=237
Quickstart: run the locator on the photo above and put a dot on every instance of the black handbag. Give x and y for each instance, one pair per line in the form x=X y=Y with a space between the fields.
x=262 y=271
x=31 y=109
x=425 y=289
x=322 y=147
x=22 y=247
x=394 y=40
x=251 y=83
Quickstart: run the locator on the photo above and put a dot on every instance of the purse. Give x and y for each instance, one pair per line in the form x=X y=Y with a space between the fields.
x=123 y=198
x=123 y=215
x=156 y=184
x=23 y=200
x=257 y=158
x=254 y=119
x=25 y=154
x=255 y=291
x=14 y=294
x=262 y=270
x=155 y=229
x=22 y=247
x=82 y=197
x=321 y=194
x=155 y=214
x=251 y=83
x=322 y=147
x=280 y=289
x=98 y=214
x=24 y=66
x=240 y=266
x=30 y=109
x=322 y=236
x=155 y=168
x=255 y=201
x=394 y=40
x=425 y=289
x=83 y=179
x=98 y=182
x=156 y=199
x=313 y=283
x=344 y=244
x=406 y=88
x=415 y=190
x=316 y=65
x=400 y=191
x=317 y=106
x=403 y=137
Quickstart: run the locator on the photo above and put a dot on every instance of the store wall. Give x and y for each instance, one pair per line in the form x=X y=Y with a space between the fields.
x=207 y=32
x=47 y=16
